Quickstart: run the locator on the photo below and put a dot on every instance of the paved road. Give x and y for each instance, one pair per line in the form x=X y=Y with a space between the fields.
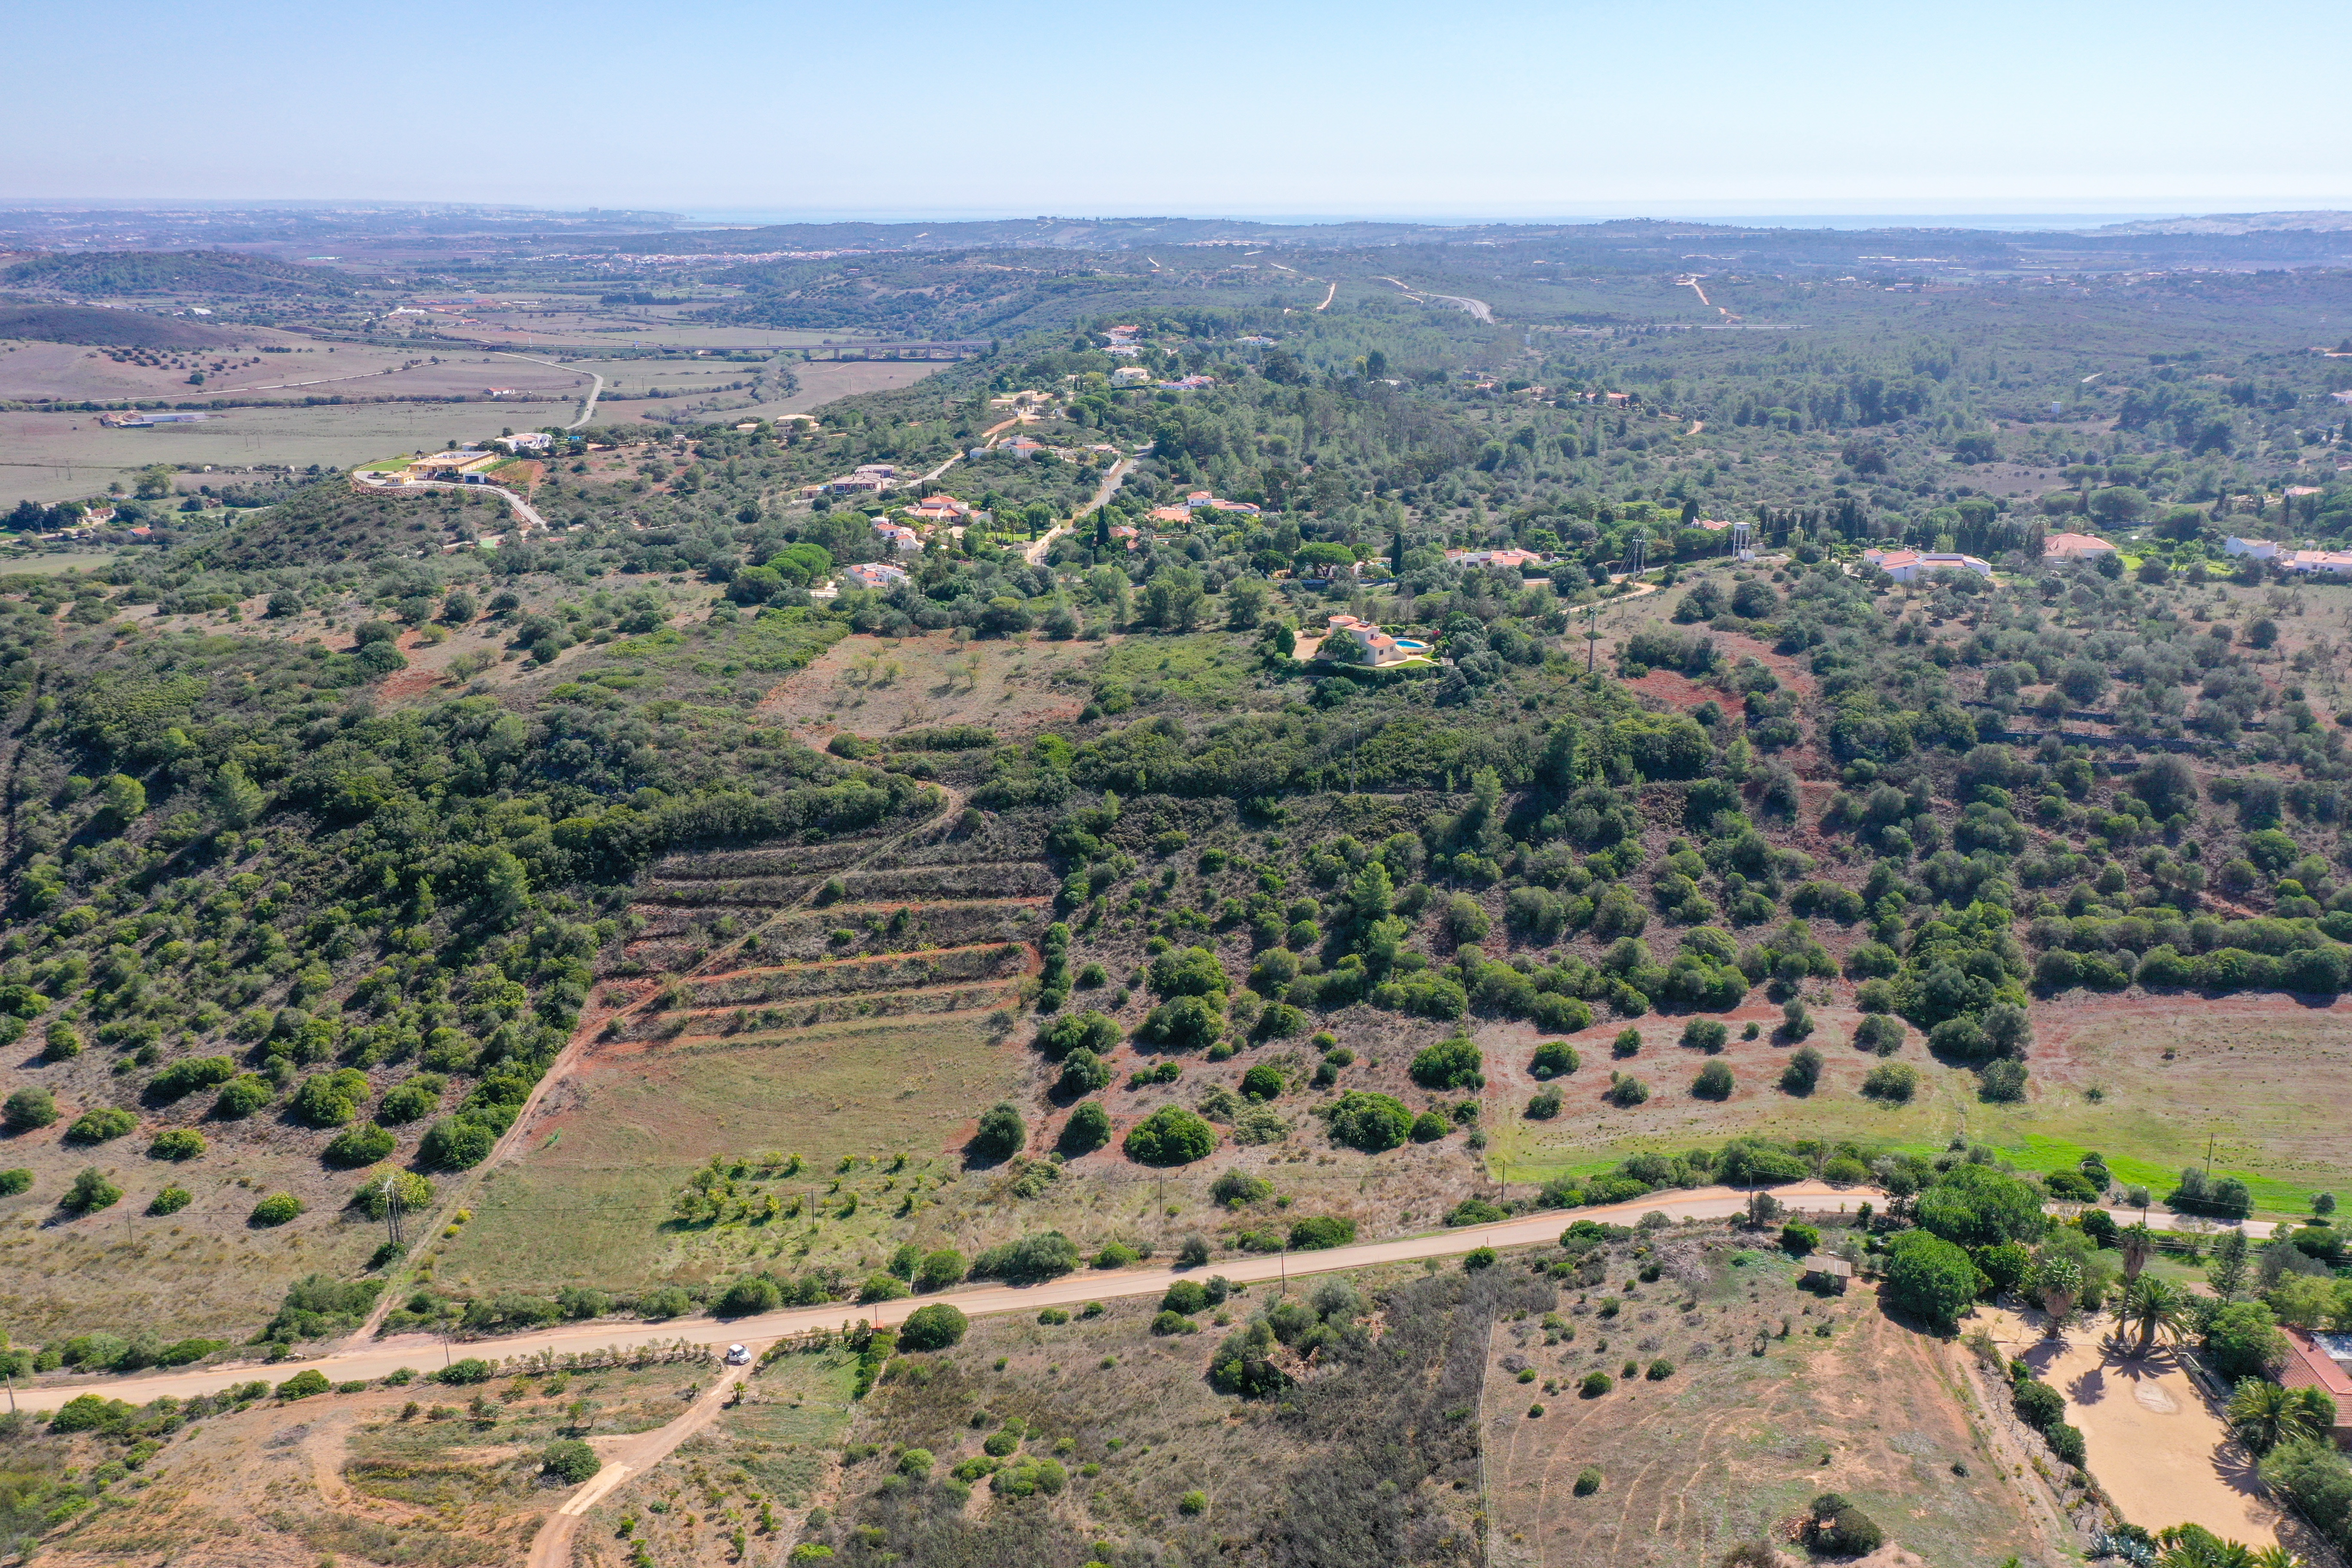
x=526 y=513
x=426 y=1351
x=595 y=390
x=1477 y=308
x=1034 y=552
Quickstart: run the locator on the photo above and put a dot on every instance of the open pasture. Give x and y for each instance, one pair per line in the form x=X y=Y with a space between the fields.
x=2144 y=1081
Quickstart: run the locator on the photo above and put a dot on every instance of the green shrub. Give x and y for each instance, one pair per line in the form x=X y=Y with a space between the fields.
x=1264 y=1081
x=466 y=1370
x=751 y=1294
x=416 y=1192
x=1045 y=1255
x=1478 y=1258
x=1595 y=1384
x=916 y=1462
x=1361 y=1118
x=91 y=1191
x=1587 y=1480
x=330 y=1099
x=570 y=1462
x=101 y=1124
x=177 y=1143
x=1544 y=1104
x=1195 y=1502
x=1628 y=1043
x=1626 y=1091
x=61 y=1042
x=1475 y=1211
x=1429 y=1127
x=189 y=1074
x=940 y=1269
x=14 y=1180
x=1799 y=1239
x=1168 y=1322
x=303 y=1385
x=1185 y=1296
x=242 y=1096
x=1894 y=1082
x=1659 y=1370
x=1116 y=1255
x=933 y=1327
x=361 y=1145
x=170 y=1200
x=1714 y=1082
x=1449 y=1064
x=1879 y=1032
x=30 y=1108
x=1930 y=1278
x=1002 y=1132
x=412 y=1099
x=276 y=1209
x=2037 y=1403
x=457 y=1143
x=1087 y=1129
x=1706 y=1035
x=1317 y=1232
x=1171 y=1136
x=1553 y=1058
x=1837 y=1527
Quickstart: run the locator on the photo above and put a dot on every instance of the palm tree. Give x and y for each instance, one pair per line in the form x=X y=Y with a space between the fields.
x=2193 y=1546
x=2153 y=1305
x=2263 y=1415
x=2138 y=1241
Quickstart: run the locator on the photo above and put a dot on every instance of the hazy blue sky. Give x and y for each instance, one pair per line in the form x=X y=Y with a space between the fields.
x=1489 y=108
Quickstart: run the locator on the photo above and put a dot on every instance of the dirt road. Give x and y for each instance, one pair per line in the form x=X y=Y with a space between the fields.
x=428 y=1352
x=630 y=1455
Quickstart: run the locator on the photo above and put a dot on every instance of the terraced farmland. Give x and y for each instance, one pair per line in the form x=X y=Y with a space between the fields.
x=846 y=1001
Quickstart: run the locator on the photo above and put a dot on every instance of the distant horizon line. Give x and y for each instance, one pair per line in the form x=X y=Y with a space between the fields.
x=2021 y=215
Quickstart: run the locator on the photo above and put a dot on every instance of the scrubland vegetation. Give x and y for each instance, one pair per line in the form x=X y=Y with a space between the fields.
x=651 y=928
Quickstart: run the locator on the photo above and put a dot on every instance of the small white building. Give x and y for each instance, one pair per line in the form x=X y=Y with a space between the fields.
x=2260 y=549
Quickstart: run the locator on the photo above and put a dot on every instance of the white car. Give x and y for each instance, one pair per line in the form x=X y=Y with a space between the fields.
x=738 y=1356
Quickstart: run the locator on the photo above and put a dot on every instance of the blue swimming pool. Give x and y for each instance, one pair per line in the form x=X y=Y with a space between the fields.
x=1410 y=645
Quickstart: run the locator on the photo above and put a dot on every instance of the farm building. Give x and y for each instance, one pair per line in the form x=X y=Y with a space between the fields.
x=2076 y=547
x=1823 y=1270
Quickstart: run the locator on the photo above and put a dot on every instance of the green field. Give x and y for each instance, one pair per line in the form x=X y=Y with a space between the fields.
x=2278 y=1068
x=589 y=1205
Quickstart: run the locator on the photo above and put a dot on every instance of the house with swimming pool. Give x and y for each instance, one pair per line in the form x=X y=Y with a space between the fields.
x=1384 y=648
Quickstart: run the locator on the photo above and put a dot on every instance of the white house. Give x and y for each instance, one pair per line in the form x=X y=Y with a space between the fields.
x=2076 y=547
x=2260 y=549
x=874 y=574
x=1909 y=565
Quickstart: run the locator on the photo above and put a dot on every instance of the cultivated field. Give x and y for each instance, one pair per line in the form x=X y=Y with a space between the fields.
x=1775 y=1395
x=61 y=456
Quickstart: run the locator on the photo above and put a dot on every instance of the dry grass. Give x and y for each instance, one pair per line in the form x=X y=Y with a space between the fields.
x=1731 y=1446
x=775 y=1446
x=348 y=1477
x=878 y=687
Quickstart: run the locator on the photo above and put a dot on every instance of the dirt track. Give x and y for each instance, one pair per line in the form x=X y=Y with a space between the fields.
x=421 y=1350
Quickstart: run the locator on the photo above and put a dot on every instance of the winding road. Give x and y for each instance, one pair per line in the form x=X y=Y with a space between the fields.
x=1035 y=550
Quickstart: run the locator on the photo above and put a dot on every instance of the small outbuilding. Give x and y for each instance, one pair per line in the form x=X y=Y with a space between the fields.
x=1820 y=1269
